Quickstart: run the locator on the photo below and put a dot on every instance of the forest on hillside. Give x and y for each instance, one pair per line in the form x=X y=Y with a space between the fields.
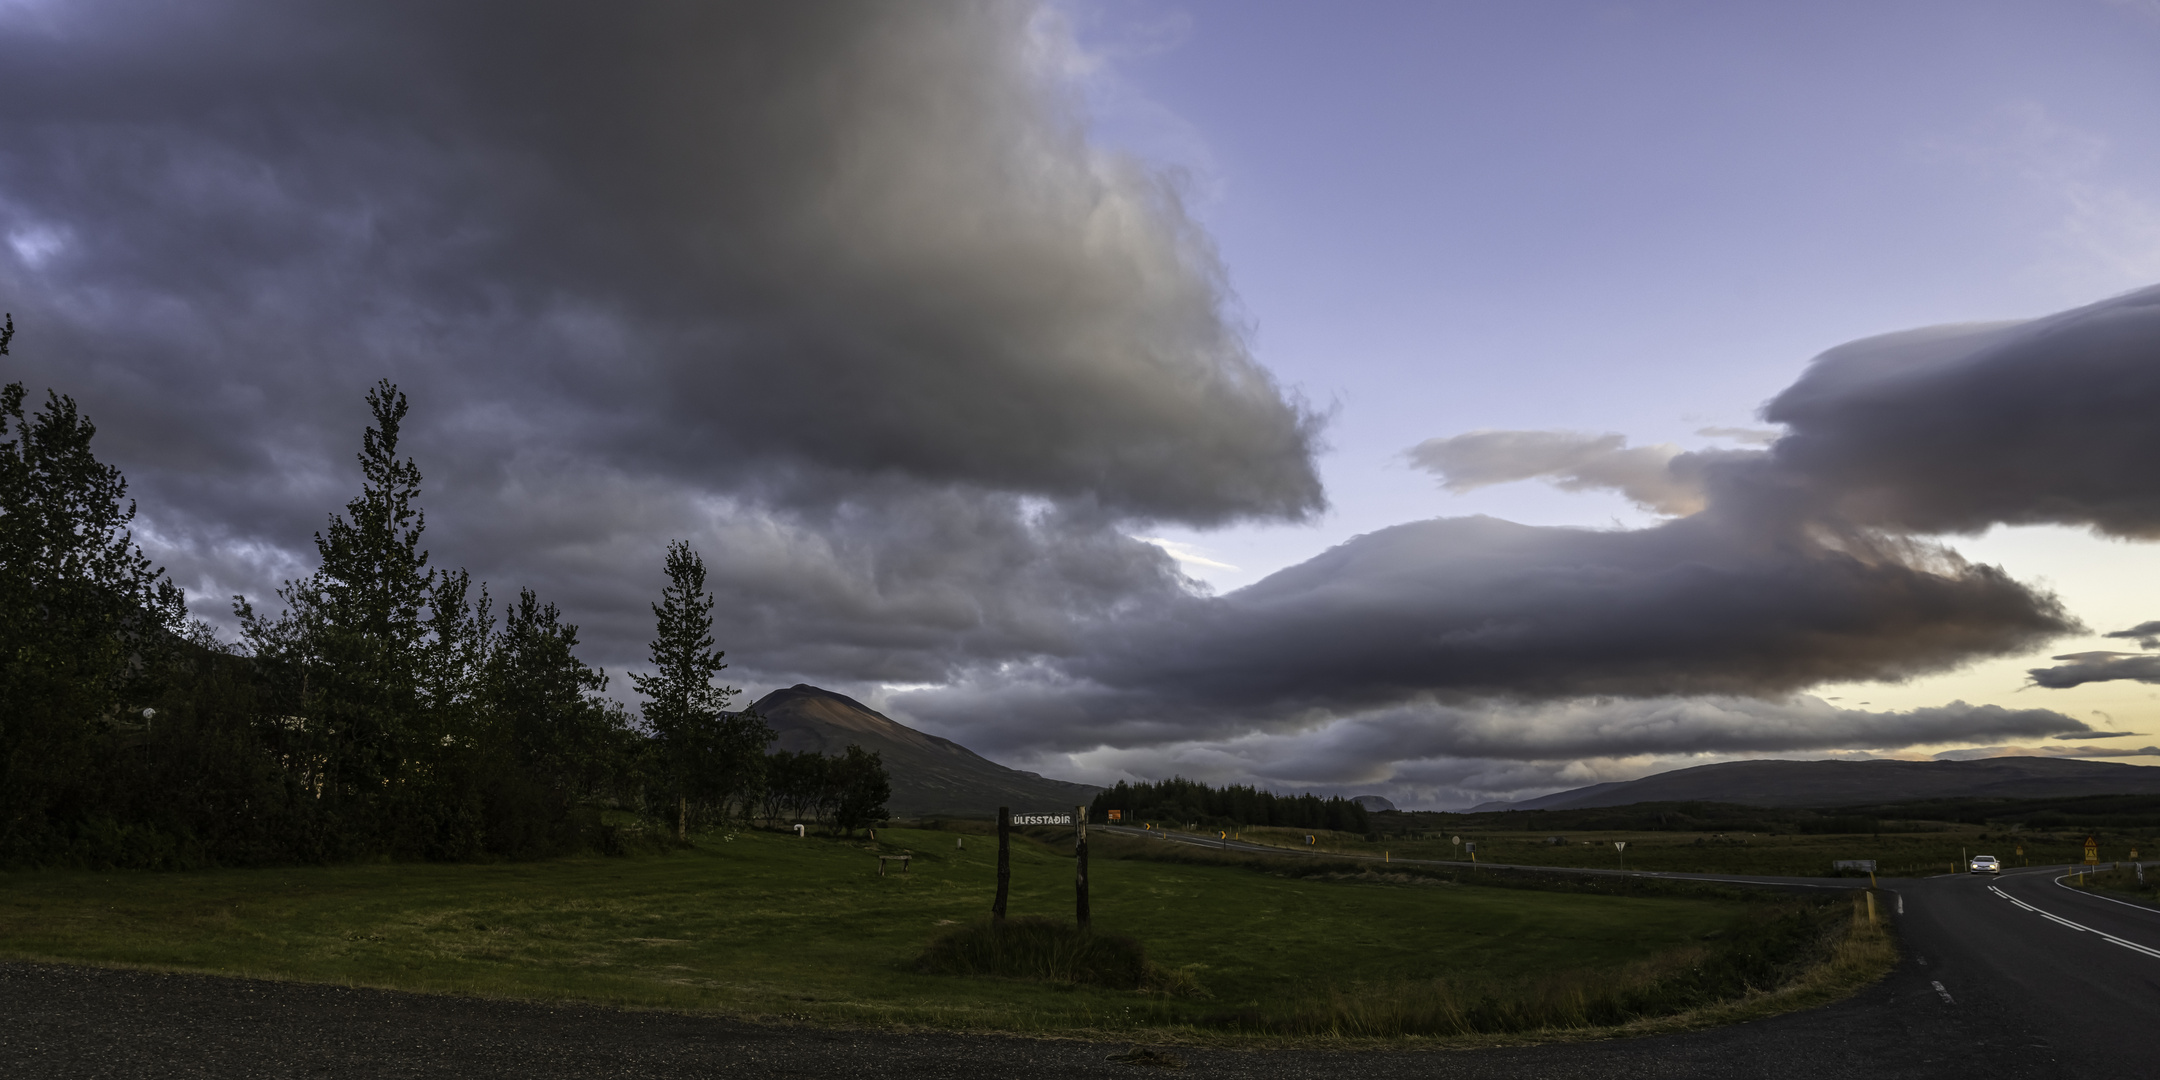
x=1181 y=801
x=377 y=707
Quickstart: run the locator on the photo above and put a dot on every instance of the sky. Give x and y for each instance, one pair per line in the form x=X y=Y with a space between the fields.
x=1447 y=401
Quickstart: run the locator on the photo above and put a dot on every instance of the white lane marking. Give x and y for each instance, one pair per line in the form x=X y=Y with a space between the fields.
x=1947 y=999
x=2131 y=945
x=2140 y=907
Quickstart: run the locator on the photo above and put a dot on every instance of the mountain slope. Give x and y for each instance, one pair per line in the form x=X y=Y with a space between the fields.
x=1821 y=784
x=930 y=775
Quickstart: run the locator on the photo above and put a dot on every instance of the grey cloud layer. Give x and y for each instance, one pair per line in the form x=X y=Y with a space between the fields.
x=1470 y=609
x=844 y=294
x=1947 y=429
x=1574 y=461
x=2102 y=666
x=1431 y=753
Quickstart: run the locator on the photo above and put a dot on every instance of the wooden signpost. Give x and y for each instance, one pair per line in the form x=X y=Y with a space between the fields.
x=1004 y=873
x=1006 y=820
x=1080 y=884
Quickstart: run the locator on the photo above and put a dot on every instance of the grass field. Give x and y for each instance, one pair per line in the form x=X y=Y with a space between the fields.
x=2123 y=883
x=1896 y=853
x=768 y=926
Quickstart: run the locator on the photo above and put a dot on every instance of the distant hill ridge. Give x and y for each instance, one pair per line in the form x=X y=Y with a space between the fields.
x=1826 y=784
x=930 y=775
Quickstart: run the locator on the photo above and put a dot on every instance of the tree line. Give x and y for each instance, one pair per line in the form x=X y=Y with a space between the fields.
x=1187 y=801
x=385 y=707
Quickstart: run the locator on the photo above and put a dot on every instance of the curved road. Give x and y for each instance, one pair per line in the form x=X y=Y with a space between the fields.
x=2009 y=977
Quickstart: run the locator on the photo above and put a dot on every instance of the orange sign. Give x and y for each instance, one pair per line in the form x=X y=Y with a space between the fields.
x=2092 y=851
x=1117 y=815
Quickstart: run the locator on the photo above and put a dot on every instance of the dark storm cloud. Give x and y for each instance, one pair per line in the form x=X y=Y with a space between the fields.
x=1703 y=605
x=634 y=262
x=1954 y=429
x=871 y=238
x=2091 y=667
x=2146 y=633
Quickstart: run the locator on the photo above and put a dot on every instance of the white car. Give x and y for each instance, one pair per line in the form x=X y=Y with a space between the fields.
x=1985 y=864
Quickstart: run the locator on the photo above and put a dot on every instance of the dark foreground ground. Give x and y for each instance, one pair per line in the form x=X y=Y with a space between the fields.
x=1986 y=990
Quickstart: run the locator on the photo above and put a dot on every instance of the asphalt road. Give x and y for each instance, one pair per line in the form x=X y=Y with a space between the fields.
x=2014 y=977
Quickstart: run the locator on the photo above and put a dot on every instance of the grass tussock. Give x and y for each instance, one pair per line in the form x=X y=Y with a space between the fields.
x=1040 y=949
x=1775 y=959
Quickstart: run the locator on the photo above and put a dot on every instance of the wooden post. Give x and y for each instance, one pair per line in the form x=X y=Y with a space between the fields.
x=1004 y=877
x=1080 y=892
x=682 y=818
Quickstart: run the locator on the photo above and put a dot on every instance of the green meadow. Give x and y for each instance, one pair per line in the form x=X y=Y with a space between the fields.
x=766 y=926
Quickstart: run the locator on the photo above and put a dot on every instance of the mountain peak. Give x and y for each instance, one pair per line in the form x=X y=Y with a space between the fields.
x=930 y=775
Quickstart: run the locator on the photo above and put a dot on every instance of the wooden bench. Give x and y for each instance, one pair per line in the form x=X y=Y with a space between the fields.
x=901 y=859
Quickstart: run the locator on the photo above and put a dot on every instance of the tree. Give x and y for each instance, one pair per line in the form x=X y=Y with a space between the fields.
x=795 y=787
x=546 y=700
x=83 y=614
x=351 y=658
x=859 y=789
x=711 y=756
